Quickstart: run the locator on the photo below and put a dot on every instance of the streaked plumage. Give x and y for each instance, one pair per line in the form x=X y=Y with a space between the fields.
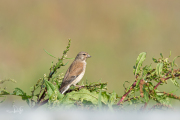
x=75 y=72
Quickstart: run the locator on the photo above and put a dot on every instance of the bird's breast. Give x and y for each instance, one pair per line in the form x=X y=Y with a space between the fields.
x=81 y=75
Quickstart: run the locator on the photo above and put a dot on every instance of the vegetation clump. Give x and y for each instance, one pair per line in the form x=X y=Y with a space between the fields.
x=94 y=96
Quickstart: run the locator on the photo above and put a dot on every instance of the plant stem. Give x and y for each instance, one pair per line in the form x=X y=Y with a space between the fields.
x=176 y=75
x=137 y=97
x=124 y=96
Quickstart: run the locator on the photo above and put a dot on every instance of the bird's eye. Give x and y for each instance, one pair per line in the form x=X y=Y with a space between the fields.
x=84 y=54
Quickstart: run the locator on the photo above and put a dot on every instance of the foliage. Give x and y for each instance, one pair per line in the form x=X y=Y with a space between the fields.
x=95 y=95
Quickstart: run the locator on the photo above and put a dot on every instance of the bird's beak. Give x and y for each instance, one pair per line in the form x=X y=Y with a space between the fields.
x=88 y=56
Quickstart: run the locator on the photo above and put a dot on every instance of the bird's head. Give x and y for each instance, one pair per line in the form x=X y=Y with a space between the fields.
x=82 y=56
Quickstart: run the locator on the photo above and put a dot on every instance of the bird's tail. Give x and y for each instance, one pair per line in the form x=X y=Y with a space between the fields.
x=64 y=89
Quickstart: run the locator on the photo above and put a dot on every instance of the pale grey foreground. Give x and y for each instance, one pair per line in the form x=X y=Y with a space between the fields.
x=18 y=113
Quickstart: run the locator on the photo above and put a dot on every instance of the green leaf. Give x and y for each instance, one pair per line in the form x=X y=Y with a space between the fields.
x=85 y=94
x=175 y=82
x=173 y=91
x=104 y=97
x=137 y=83
x=3 y=99
x=155 y=60
x=159 y=68
x=65 y=64
x=146 y=69
x=18 y=92
x=139 y=61
x=170 y=54
x=161 y=55
x=21 y=93
x=67 y=101
x=163 y=99
x=99 y=100
x=130 y=102
x=49 y=54
x=112 y=98
x=172 y=64
x=52 y=90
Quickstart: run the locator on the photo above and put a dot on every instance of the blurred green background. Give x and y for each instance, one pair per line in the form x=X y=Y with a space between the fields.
x=112 y=32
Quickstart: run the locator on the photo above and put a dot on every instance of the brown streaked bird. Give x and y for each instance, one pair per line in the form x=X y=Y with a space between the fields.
x=75 y=72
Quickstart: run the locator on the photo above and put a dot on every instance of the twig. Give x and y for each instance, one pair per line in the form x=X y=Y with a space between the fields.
x=176 y=75
x=131 y=98
x=41 y=89
x=162 y=79
x=170 y=95
x=124 y=96
x=43 y=94
x=40 y=104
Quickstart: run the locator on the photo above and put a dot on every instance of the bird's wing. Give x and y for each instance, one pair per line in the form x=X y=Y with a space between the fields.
x=72 y=73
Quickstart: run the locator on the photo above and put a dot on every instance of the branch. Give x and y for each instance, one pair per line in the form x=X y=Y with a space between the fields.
x=176 y=75
x=43 y=94
x=124 y=96
x=88 y=87
x=40 y=104
x=132 y=98
x=170 y=95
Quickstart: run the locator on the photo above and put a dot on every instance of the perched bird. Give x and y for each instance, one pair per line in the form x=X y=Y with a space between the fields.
x=75 y=72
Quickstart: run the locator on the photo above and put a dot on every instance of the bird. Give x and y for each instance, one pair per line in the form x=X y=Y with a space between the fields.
x=75 y=72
